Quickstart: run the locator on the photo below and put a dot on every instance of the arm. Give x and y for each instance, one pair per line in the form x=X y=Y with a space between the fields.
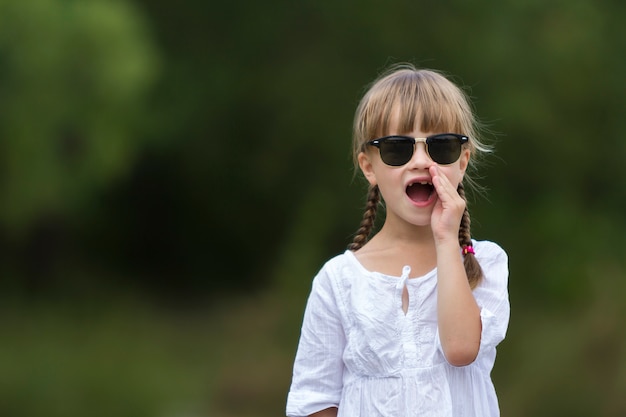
x=458 y=313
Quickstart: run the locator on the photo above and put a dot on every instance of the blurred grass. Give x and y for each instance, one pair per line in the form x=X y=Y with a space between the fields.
x=233 y=357
x=131 y=358
x=124 y=359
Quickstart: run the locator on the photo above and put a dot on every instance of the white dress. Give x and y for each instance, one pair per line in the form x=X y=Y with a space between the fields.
x=359 y=352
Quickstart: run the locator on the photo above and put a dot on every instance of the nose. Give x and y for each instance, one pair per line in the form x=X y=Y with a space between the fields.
x=420 y=158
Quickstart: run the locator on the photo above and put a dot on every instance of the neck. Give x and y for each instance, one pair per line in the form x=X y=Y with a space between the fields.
x=403 y=242
x=406 y=234
x=392 y=248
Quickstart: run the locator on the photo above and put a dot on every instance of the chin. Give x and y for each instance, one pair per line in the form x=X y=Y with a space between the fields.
x=418 y=221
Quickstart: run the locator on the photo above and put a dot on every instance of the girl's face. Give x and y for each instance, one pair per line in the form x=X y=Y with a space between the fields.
x=407 y=190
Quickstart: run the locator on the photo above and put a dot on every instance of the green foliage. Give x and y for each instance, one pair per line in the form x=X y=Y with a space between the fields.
x=73 y=75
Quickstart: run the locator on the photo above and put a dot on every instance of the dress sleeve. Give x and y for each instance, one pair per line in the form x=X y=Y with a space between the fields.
x=318 y=368
x=492 y=296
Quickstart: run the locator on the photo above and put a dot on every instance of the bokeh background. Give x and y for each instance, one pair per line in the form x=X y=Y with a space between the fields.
x=173 y=174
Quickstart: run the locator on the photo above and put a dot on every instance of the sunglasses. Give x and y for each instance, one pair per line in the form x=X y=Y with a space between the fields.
x=444 y=148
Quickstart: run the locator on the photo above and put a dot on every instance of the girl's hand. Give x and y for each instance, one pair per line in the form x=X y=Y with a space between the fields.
x=448 y=210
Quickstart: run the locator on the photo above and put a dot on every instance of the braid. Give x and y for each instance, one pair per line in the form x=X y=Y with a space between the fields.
x=465 y=236
x=472 y=267
x=367 y=224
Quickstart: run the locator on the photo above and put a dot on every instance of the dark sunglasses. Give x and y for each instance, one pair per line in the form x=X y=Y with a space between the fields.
x=444 y=148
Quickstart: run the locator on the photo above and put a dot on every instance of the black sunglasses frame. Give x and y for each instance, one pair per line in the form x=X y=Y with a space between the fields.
x=441 y=139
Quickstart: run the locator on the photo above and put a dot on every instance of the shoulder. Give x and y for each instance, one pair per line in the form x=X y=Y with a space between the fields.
x=340 y=261
x=494 y=262
x=333 y=269
x=339 y=264
x=331 y=285
x=489 y=252
x=338 y=274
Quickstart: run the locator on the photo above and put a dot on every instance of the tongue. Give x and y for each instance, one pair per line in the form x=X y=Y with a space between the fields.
x=419 y=192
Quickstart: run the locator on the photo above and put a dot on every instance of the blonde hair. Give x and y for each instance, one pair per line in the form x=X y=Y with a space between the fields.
x=410 y=97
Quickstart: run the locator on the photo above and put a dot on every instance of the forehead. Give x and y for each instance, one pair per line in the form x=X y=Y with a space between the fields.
x=410 y=116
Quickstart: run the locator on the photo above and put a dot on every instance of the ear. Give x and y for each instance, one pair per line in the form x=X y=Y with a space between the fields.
x=464 y=161
x=365 y=163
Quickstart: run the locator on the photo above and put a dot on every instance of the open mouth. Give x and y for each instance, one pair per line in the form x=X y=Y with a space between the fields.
x=420 y=192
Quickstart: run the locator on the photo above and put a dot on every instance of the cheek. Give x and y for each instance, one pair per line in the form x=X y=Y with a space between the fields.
x=454 y=175
x=387 y=179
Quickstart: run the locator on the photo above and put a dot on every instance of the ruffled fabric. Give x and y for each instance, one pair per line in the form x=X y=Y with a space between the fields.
x=360 y=352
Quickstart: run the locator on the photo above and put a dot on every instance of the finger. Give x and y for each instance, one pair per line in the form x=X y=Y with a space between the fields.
x=444 y=188
x=446 y=191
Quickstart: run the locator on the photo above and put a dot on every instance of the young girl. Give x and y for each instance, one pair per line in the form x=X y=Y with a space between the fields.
x=407 y=323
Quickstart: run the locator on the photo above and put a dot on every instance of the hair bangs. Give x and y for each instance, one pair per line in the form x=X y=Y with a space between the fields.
x=412 y=100
x=406 y=100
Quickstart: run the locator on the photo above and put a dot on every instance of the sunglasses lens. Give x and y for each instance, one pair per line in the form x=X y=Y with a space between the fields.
x=444 y=149
x=396 y=151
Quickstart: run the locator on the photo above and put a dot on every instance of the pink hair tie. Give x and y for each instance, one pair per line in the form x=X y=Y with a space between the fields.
x=468 y=249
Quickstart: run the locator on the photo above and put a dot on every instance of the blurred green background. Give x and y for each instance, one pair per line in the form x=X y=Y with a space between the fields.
x=173 y=174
